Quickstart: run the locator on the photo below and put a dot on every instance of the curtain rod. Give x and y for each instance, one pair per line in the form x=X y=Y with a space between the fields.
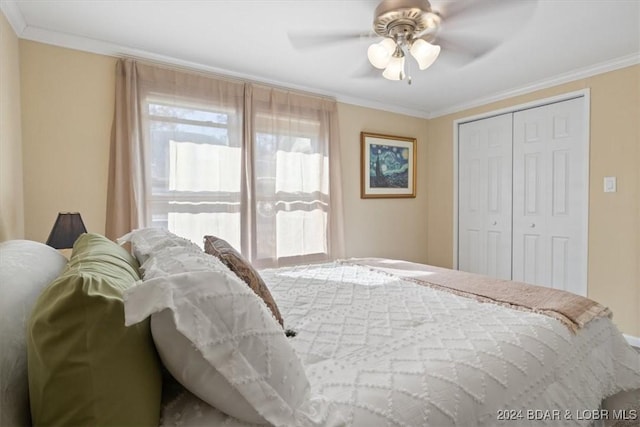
x=207 y=71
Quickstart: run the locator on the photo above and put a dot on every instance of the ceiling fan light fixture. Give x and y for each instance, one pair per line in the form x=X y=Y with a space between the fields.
x=379 y=54
x=395 y=69
x=424 y=52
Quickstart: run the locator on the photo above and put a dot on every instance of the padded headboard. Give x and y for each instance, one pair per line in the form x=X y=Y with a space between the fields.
x=26 y=267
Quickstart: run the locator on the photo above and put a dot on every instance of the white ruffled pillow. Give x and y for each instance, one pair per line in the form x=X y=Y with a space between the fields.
x=221 y=342
x=146 y=241
x=173 y=260
x=219 y=339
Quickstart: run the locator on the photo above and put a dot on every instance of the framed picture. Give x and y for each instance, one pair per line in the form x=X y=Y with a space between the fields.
x=388 y=166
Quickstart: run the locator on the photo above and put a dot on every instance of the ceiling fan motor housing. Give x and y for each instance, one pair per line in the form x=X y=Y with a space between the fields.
x=404 y=20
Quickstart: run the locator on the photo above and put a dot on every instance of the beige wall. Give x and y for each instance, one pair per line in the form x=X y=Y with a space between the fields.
x=11 y=195
x=67 y=111
x=391 y=228
x=614 y=218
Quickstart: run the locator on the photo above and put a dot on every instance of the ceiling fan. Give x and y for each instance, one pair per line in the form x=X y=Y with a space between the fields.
x=412 y=27
x=405 y=25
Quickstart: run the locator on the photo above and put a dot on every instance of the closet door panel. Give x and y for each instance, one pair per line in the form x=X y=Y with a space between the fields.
x=550 y=158
x=484 y=196
x=530 y=181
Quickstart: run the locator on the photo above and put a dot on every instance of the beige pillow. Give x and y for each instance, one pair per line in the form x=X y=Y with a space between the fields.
x=85 y=367
x=241 y=267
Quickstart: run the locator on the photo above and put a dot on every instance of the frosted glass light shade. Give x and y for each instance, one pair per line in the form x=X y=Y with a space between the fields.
x=395 y=69
x=379 y=54
x=424 y=52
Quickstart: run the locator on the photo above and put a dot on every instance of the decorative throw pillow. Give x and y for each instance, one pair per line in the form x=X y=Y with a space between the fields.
x=222 y=343
x=85 y=366
x=26 y=268
x=243 y=269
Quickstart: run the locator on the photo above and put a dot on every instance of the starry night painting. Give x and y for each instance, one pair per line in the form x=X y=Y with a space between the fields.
x=388 y=166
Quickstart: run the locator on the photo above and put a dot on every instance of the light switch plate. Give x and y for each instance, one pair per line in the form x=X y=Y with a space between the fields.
x=610 y=184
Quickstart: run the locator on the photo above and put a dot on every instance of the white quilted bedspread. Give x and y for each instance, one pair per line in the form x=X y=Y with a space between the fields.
x=388 y=352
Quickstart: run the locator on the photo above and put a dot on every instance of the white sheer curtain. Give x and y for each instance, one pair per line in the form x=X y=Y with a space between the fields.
x=254 y=165
x=293 y=204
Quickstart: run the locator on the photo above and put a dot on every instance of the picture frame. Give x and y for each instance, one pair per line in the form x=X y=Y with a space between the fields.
x=388 y=166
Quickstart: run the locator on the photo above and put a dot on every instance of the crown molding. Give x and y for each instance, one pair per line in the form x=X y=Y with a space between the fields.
x=582 y=73
x=14 y=16
x=366 y=103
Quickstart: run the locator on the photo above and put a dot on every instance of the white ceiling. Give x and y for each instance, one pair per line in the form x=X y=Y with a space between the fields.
x=539 y=43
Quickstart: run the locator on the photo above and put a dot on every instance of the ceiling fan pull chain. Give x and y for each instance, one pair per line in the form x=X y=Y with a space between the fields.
x=409 y=73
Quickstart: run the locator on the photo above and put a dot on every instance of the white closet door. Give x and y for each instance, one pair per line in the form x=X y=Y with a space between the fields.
x=484 y=196
x=550 y=159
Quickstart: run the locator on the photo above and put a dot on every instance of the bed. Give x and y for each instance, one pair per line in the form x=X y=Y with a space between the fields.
x=371 y=343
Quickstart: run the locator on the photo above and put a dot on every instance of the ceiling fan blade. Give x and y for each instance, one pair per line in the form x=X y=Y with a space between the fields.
x=367 y=71
x=479 y=10
x=308 y=40
x=463 y=49
x=473 y=28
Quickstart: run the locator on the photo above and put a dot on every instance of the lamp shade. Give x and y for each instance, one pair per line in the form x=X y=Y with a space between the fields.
x=395 y=69
x=65 y=231
x=424 y=52
x=379 y=54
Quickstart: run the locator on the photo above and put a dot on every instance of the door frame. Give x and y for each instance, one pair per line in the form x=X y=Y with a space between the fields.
x=583 y=93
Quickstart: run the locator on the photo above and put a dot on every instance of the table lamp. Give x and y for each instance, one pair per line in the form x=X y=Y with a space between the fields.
x=65 y=231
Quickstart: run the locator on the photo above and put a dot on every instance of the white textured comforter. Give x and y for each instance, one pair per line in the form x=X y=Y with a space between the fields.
x=389 y=352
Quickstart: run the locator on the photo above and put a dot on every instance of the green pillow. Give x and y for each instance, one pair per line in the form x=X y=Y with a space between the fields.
x=85 y=367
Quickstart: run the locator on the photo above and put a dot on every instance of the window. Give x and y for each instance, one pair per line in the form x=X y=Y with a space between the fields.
x=291 y=188
x=195 y=168
x=202 y=155
x=259 y=181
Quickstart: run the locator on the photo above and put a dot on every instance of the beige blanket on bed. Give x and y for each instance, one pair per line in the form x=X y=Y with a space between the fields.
x=572 y=310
